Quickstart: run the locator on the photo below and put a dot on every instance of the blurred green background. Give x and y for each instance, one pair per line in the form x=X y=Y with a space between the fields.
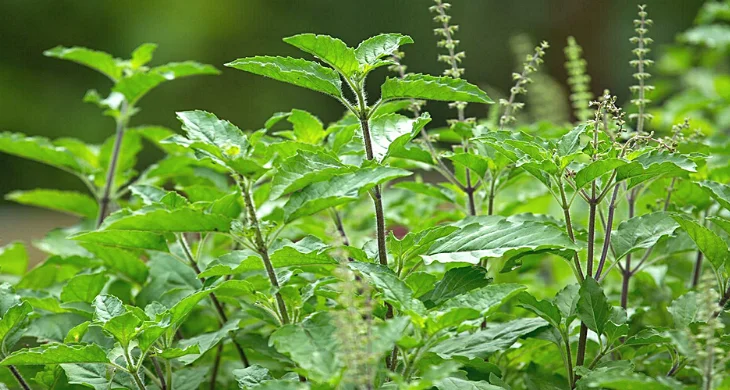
x=42 y=96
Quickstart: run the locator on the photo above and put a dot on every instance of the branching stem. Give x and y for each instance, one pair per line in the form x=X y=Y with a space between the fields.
x=111 y=171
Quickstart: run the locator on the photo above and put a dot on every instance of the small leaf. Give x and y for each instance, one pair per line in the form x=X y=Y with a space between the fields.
x=419 y=86
x=84 y=287
x=97 y=60
x=302 y=73
x=484 y=300
x=14 y=259
x=142 y=55
x=642 y=232
x=107 y=307
x=123 y=327
x=11 y=322
x=389 y=129
x=137 y=85
x=684 y=310
x=98 y=376
x=372 y=50
x=593 y=307
x=570 y=142
x=544 y=309
x=56 y=354
x=395 y=291
x=305 y=168
x=708 y=242
x=332 y=51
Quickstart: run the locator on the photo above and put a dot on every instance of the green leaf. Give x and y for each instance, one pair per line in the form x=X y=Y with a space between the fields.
x=684 y=310
x=494 y=236
x=302 y=73
x=178 y=220
x=544 y=309
x=307 y=127
x=653 y=165
x=477 y=163
x=98 y=376
x=395 y=291
x=305 y=168
x=642 y=232
x=119 y=260
x=125 y=239
x=123 y=327
x=708 y=242
x=14 y=259
x=455 y=282
x=84 y=287
x=484 y=300
x=331 y=51
x=70 y=202
x=372 y=50
x=463 y=384
x=97 y=60
x=595 y=170
x=107 y=307
x=307 y=251
x=570 y=142
x=221 y=134
x=251 y=376
x=137 y=85
x=593 y=307
x=390 y=129
x=311 y=345
x=56 y=354
x=567 y=299
x=620 y=376
x=338 y=190
x=142 y=55
x=419 y=86
x=38 y=149
x=11 y=322
x=482 y=343
x=719 y=192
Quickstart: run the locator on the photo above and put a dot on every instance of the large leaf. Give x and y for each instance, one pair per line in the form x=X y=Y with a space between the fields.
x=482 y=343
x=544 y=309
x=83 y=288
x=11 y=321
x=714 y=248
x=207 y=128
x=593 y=307
x=137 y=85
x=305 y=168
x=419 y=86
x=332 y=51
x=299 y=72
x=311 y=344
x=38 y=149
x=393 y=129
x=719 y=192
x=338 y=190
x=13 y=259
x=307 y=251
x=684 y=310
x=134 y=239
x=595 y=170
x=653 y=165
x=98 y=376
x=484 y=300
x=642 y=232
x=160 y=220
x=97 y=60
x=56 y=354
x=65 y=201
x=119 y=260
x=464 y=384
x=496 y=237
x=372 y=50
x=395 y=291
x=455 y=282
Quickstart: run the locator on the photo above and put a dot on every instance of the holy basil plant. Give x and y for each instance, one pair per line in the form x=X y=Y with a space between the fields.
x=380 y=251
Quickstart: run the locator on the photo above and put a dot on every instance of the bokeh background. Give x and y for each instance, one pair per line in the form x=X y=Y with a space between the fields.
x=43 y=96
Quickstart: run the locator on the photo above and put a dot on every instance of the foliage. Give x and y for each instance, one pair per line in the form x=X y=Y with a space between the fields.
x=305 y=255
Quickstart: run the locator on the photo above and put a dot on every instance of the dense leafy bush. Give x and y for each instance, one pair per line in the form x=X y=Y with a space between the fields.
x=378 y=251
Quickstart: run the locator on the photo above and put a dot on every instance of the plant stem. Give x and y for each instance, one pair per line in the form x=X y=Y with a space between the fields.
x=377 y=196
x=627 y=273
x=216 y=303
x=19 y=378
x=111 y=171
x=583 y=337
x=133 y=370
x=216 y=366
x=492 y=187
x=168 y=369
x=569 y=228
x=340 y=227
x=697 y=269
x=569 y=360
x=609 y=228
x=158 y=371
x=264 y=252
